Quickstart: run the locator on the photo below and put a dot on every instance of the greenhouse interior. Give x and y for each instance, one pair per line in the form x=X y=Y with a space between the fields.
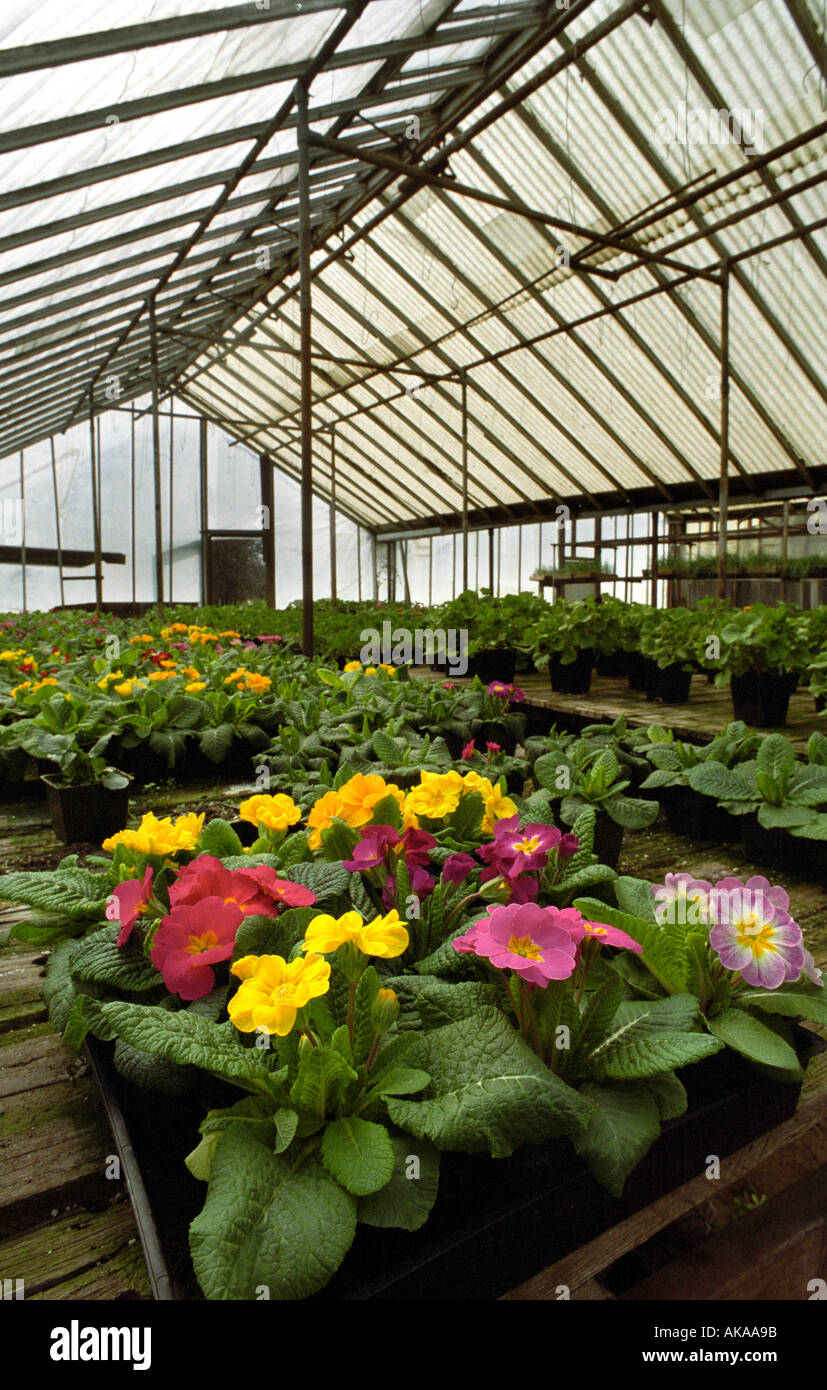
x=413 y=583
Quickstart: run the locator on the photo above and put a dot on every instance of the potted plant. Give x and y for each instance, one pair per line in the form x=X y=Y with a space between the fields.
x=668 y=638
x=763 y=650
x=566 y=638
x=89 y=800
x=586 y=776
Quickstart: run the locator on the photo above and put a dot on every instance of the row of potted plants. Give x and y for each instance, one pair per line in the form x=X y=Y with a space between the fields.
x=397 y=979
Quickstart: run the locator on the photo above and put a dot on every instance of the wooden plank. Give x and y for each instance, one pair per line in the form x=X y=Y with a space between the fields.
x=21 y=977
x=579 y=1266
x=51 y=1163
x=68 y=1247
x=41 y=1061
x=771 y=1253
x=13 y=1016
x=121 y=1277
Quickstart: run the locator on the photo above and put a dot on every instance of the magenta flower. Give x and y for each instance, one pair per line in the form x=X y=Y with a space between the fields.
x=372 y=848
x=811 y=970
x=131 y=897
x=191 y=939
x=506 y=692
x=418 y=845
x=282 y=892
x=514 y=851
x=568 y=847
x=469 y=750
x=449 y=685
x=457 y=867
x=538 y=943
x=754 y=934
x=422 y=883
x=494 y=747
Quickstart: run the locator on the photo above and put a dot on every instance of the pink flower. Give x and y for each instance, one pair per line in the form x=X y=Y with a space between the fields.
x=810 y=968
x=469 y=750
x=280 y=891
x=568 y=847
x=372 y=849
x=605 y=935
x=754 y=934
x=494 y=747
x=257 y=891
x=449 y=685
x=422 y=883
x=192 y=938
x=131 y=896
x=682 y=899
x=537 y=943
x=418 y=845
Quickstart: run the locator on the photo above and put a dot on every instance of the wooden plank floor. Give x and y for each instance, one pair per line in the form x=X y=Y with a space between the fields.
x=66 y=1230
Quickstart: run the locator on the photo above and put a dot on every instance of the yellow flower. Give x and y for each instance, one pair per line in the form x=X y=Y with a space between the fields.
x=273 y=990
x=175 y=627
x=191 y=672
x=383 y=666
x=258 y=684
x=142 y=637
x=353 y=666
x=110 y=676
x=275 y=812
x=236 y=676
x=370 y=670
x=386 y=936
x=160 y=837
x=12 y=656
x=47 y=680
x=353 y=803
x=474 y=783
x=162 y=676
x=127 y=687
x=194 y=686
x=24 y=685
x=229 y=634
x=169 y=664
x=497 y=807
x=436 y=797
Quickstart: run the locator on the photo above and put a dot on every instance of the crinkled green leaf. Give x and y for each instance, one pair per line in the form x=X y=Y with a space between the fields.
x=270 y=1228
x=624 y=1124
x=358 y=1153
x=406 y=1200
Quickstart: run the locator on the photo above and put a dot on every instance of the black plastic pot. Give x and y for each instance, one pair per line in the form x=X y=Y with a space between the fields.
x=492 y=732
x=608 y=838
x=573 y=678
x=670 y=684
x=614 y=667
x=778 y=849
x=88 y=813
x=762 y=698
x=697 y=816
x=637 y=667
x=497 y=1222
x=493 y=664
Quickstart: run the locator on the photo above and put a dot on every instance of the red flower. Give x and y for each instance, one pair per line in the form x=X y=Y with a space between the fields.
x=279 y=890
x=130 y=896
x=191 y=939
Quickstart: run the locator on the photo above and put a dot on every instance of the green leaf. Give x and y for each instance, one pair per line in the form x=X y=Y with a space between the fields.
x=190 y=1040
x=219 y=838
x=323 y=1080
x=367 y=989
x=329 y=881
x=624 y=1124
x=441 y=1001
x=488 y=1090
x=286 y=1120
x=200 y=1159
x=662 y=952
x=724 y=784
x=358 y=1153
x=59 y=988
x=775 y=764
x=466 y=820
x=783 y=817
x=648 y=1038
x=269 y=1224
x=216 y=743
x=635 y=897
x=631 y=813
x=67 y=892
x=273 y=936
x=746 y=1034
x=597 y=1016
x=149 y=1072
x=99 y=958
x=398 y=1081
x=670 y=1095
x=76 y=1025
x=792 y=1003
x=406 y=1200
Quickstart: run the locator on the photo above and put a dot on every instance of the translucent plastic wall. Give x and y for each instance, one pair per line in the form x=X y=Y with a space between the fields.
x=54 y=478
x=434 y=563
